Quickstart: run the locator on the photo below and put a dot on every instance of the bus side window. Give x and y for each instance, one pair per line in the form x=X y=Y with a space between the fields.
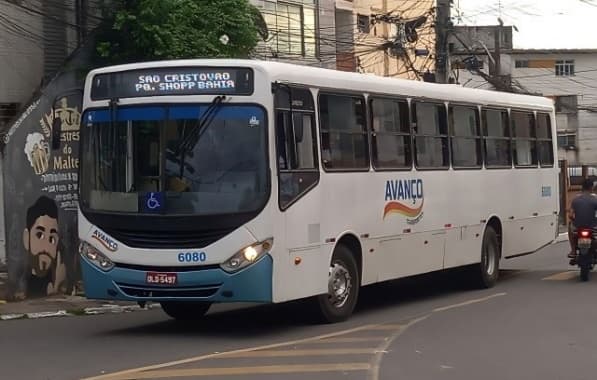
x=544 y=138
x=496 y=133
x=524 y=144
x=296 y=145
x=431 y=135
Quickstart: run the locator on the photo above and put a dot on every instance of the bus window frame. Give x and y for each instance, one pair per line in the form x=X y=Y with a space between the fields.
x=90 y=213
x=354 y=94
x=479 y=137
x=316 y=150
x=485 y=138
x=540 y=140
x=370 y=99
x=414 y=135
x=513 y=139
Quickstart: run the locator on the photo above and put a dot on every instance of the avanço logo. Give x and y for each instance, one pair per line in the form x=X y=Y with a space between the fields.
x=105 y=240
x=406 y=198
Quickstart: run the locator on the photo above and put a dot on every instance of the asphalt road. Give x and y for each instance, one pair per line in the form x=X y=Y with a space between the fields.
x=537 y=323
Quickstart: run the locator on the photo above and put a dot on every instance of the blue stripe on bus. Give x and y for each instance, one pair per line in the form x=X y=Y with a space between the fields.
x=123 y=114
x=252 y=284
x=186 y=112
x=162 y=113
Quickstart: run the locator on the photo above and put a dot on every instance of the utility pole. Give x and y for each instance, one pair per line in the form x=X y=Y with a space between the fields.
x=443 y=26
x=497 y=50
x=386 y=58
x=500 y=82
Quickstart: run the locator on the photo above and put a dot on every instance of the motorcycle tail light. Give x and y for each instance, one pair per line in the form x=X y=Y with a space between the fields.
x=585 y=234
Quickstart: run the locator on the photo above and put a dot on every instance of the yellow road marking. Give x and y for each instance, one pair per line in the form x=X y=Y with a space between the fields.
x=157 y=371
x=306 y=352
x=220 y=354
x=563 y=276
x=259 y=370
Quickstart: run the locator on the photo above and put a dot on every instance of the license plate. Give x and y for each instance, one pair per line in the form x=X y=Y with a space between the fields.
x=161 y=278
x=584 y=243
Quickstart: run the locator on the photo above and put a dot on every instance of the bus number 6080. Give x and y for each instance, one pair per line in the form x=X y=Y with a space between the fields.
x=192 y=257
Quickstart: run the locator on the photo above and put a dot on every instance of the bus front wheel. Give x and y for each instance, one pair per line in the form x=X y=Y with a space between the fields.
x=185 y=311
x=343 y=287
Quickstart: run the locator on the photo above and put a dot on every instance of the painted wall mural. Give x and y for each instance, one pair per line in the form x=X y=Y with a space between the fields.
x=41 y=240
x=41 y=195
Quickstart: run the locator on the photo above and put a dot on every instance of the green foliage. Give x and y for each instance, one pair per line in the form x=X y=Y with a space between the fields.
x=143 y=30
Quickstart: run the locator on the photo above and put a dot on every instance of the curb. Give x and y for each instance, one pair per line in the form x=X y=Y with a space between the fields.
x=104 y=309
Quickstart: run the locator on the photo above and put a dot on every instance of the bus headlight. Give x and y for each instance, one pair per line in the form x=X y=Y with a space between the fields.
x=96 y=257
x=247 y=256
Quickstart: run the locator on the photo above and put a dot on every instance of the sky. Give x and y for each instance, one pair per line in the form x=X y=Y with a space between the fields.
x=562 y=24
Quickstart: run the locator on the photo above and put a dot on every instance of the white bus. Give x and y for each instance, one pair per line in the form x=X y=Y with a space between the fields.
x=210 y=181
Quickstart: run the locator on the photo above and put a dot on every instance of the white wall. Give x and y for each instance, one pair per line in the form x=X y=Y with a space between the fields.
x=544 y=81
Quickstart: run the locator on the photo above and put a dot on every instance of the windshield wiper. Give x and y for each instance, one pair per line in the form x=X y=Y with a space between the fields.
x=191 y=139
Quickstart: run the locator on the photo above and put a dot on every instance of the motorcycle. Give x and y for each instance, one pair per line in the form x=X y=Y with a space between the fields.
x=585 y=252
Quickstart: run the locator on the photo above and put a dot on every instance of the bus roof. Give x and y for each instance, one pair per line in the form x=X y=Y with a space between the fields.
x=368 y=83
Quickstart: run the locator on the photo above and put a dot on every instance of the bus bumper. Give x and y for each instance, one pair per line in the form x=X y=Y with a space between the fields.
x=252 y=284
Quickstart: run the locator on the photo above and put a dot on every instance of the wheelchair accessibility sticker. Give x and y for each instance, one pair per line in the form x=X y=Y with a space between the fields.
x=153 y=202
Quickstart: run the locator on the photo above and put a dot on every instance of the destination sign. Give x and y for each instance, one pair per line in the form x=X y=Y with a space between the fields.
x=172 y=81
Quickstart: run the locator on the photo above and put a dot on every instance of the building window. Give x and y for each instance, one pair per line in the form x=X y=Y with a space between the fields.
x=567 y=141
x=521 y=64
x=567 y=104
x=291 y=28
x=565 y=68
x=363 y=24
x=344 y=144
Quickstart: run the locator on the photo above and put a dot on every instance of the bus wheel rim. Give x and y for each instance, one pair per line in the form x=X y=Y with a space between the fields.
x=339 y=285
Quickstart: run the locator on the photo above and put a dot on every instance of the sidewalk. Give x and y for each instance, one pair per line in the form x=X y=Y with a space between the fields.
x=64 y=306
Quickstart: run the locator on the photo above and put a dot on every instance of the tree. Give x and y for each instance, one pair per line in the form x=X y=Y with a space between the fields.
x=143 y=30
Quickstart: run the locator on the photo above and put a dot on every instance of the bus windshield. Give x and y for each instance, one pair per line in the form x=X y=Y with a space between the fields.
x=156 y=160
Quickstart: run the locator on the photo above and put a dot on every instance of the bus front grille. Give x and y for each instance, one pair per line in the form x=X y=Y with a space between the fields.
x=168 y=239
x=163 y=292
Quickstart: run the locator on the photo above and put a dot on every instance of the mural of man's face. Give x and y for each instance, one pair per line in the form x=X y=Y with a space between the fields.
x=42 y=244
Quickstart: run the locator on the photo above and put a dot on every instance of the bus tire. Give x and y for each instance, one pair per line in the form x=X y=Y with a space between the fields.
x=185 y=311
x=486 y=273
x=343 y=288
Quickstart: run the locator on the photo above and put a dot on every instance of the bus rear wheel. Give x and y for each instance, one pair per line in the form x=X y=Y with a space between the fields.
x=185 y=311
x=343 y=288
x=485 y=274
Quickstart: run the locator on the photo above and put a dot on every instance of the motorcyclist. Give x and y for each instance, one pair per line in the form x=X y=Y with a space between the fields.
x=583 y=214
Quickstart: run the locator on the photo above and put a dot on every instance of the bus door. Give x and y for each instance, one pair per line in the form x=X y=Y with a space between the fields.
x=298 y=176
